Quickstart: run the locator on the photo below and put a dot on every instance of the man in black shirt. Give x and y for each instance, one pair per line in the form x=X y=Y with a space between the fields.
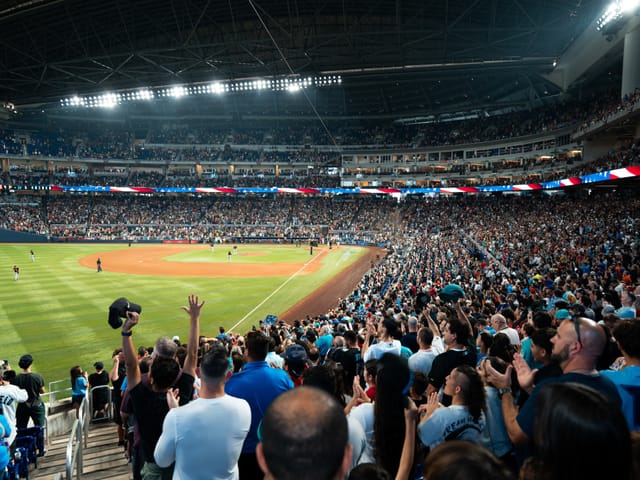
x=149 y=399
x=33 y=383
x=456 y=338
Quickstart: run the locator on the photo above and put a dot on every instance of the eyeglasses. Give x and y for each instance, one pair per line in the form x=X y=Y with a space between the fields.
x=576 y=324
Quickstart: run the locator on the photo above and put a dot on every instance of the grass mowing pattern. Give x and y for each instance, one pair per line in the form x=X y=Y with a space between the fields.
x=57 y=311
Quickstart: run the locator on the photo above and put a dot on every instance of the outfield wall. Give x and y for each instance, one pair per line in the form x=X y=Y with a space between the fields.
x=10 y=236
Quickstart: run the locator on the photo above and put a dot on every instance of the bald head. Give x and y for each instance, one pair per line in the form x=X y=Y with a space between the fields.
x=304 y=435
x=592 y=337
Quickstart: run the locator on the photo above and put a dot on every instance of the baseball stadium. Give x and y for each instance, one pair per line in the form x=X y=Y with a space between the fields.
x=421 y=208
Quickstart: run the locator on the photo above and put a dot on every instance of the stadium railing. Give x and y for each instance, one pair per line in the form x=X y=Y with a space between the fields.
x=78 y=440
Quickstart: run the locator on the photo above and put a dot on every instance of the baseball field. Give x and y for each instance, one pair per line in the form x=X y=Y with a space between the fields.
x=57 y=310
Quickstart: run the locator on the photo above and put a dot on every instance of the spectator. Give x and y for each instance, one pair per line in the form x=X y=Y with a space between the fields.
x=456 y=336
x=33 y=383
x=324 y=341
x=100 y=396
x=204 y=438
x=259 y=385
x=464 y=419
x=410 y=339
x=117 y=375
x=5 y=433
x=78 y=387
x=149 y=400
x=350 y=357
x=324 y=378
x=304 y=435
x=628 y=309
x=498 y=439
x=383 y=420
x=576 y=347
x=500 y=325
x=579 y=433
x=422 y=360
x=627 y=379
x=10 y=397
x=295 y=363
x=386 y=332
x=463 y=460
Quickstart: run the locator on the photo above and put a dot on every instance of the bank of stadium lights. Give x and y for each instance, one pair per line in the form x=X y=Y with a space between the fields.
x=615 y=11
x=291 y=84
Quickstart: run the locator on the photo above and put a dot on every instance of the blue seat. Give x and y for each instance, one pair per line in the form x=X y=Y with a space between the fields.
x=36 y=432
x=19 y=465
x=30 y=448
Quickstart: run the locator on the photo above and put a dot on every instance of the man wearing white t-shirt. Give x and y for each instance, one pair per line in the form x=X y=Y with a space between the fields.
x=205 y=437
x=10 y=396
x=430 y=347
x=500 y=325
x=386 y=343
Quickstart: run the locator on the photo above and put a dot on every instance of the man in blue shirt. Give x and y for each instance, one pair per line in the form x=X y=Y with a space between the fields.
x=258 y=384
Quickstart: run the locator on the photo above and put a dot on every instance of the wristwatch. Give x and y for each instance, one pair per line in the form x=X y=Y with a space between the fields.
x=502 y=391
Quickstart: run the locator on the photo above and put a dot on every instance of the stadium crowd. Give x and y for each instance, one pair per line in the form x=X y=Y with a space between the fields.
x=485 y=312
x=497 y=339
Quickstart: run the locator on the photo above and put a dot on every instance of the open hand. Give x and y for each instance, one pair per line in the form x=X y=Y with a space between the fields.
x=194 y=307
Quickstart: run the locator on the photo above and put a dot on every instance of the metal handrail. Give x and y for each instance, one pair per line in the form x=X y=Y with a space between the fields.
x=78 y=440
x=72 y=455
x=54 y=390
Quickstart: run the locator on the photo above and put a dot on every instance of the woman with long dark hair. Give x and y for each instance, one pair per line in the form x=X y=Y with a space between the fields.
x=389 y=423
x=78 y=387
x=579 y=433
x=464 y=419
x=384 y=420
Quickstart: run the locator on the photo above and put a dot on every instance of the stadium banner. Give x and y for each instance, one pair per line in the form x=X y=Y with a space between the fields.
x=620 y=173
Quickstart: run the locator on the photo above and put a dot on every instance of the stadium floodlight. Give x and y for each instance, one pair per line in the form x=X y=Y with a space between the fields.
x=615 y=11
x=291 y=84
x=177 y=92
x=145 y=94
x=629 y=6
x=217 y=88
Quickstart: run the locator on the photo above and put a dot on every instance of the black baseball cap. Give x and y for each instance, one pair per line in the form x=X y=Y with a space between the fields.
x=118 y=310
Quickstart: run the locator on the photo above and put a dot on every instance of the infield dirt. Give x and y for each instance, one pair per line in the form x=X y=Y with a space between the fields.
x=151 y=261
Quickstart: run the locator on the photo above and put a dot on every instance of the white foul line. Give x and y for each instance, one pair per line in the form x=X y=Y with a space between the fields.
x=242 y=320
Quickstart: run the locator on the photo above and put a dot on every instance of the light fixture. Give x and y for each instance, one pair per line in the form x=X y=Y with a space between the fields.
x=615 y=11
x=290 y=84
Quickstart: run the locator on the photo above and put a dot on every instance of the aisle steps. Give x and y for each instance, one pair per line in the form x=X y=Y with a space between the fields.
x=103 y=458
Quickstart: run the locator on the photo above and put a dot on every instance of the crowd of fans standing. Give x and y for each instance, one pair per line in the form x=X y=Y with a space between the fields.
x=415 y=371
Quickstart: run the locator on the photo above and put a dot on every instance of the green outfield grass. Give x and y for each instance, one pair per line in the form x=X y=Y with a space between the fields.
x=57 y=311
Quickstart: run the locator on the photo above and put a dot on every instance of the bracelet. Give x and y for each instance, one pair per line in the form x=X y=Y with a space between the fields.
x=126 y=334
x=502 y=391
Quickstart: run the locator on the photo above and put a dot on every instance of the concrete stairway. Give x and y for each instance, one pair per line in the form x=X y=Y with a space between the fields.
x=102 y=459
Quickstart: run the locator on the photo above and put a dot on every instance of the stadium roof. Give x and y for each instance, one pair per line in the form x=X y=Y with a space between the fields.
x=397 y=59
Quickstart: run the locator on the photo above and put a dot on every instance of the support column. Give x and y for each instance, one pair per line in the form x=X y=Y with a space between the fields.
x=630 y=63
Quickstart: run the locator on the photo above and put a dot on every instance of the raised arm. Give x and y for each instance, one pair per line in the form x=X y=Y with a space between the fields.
x=130 y=357
x=409 y=445
x=463 y=317
x=114 y=375
x=193 y=310
x=502 y=381
x=432 y=325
